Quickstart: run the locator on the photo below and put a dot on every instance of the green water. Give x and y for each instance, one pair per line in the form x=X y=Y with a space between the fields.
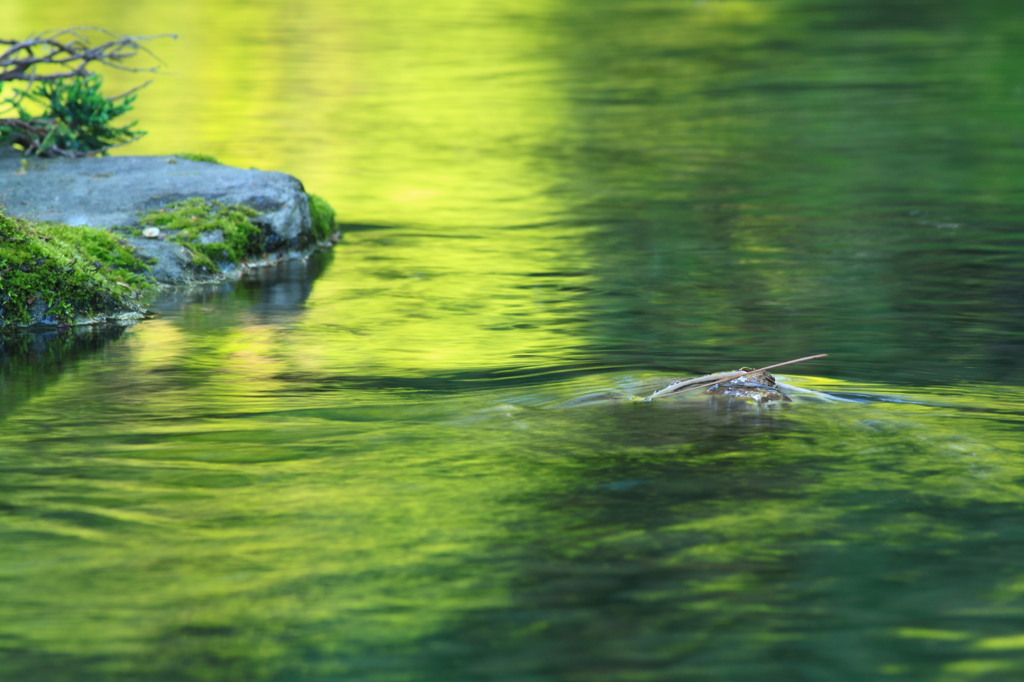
x=356 y=469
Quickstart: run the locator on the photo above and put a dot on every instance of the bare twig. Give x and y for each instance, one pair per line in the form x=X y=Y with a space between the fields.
x=32 y=135
x=29 y=133
x=128 y=92
x=53 y=58
x=69 y=51
x=712 y=379
x=67 y=54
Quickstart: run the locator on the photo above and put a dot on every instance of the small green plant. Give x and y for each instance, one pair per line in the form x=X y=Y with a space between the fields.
x=323 y=217
x=206 y=158
x=76 y=119
x=194 y=224
x=55 y=68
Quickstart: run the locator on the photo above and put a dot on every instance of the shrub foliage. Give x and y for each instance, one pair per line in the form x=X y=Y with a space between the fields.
x=76 y=120
x=55 y=71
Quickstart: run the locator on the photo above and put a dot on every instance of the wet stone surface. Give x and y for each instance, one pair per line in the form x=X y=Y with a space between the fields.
x=113 y=192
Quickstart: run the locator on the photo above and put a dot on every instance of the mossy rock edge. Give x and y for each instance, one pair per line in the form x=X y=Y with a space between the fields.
x=323 y=218
x=59 y=275
x=54 y=274
x=114 y=191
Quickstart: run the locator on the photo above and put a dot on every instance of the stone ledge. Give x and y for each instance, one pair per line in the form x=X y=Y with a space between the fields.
x=112 y=191
x=115 y=192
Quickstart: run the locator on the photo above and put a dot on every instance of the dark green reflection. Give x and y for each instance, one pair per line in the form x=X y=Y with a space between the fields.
x=30 y=360
x=851 y=539
x=776 y=178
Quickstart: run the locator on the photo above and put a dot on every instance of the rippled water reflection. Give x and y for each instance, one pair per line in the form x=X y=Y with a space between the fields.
x=357 y=469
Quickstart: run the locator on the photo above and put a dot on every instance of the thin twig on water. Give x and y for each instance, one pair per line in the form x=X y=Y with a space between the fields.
x=719 y=378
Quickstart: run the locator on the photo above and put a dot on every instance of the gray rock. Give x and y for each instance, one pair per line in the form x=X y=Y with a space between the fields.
x=212 y=237
x=173 y=263
x=113 y=191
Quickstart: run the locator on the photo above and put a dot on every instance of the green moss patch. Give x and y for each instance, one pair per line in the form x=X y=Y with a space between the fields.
x=323 y=217
x=194 y=223
x=206 y=158
x=64 y=272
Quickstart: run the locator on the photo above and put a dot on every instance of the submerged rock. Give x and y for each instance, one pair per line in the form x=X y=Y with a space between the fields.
x=758 y=386
x=734 y=390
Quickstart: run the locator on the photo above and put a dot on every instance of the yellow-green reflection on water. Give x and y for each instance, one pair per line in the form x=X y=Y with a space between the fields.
x=357 y=470
x=399 y=112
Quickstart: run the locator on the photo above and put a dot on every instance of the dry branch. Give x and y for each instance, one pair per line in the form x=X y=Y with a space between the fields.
x=55 y=69
x=677 y=387
x=69 y=53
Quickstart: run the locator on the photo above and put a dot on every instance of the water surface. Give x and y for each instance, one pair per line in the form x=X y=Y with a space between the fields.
x=357 y=469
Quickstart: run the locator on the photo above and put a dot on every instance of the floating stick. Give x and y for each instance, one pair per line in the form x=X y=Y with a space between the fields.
x=720 y=377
